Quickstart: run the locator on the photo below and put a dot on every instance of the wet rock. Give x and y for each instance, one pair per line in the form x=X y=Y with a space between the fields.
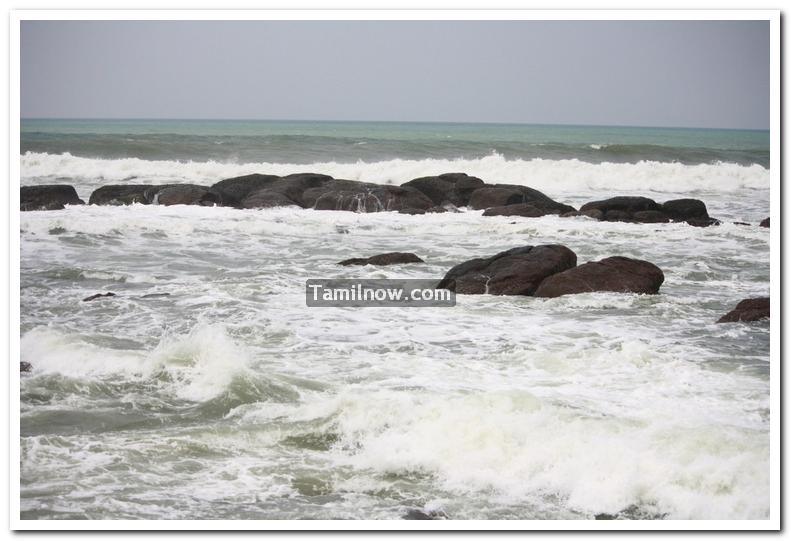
x=186 y=194
x=266 y=198
x=617 y=274
x=623 y=204
x=234 y=190
x=703 y=222
x=98 y=296
x=439 y=210
x=765 y=222
x=48 y=197
x=294 y=186
x=392 y=258
x=596 y=214
x=528 y=210
x=500 y=195
x=453 y=188
x=413 y=211
x=754 y=309
x=741 y=223
x=518 y=271
x=124 y=194
x=650 y=217
x=25 y=367
x=356 y=196
x=681 y=210
x=417 y=514
x=617 y=216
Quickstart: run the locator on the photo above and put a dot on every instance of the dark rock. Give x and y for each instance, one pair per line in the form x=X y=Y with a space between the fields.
x=294 y=186
x=570 y=214
x=25 y=367
x=417 y=514
x=266 y=198
x=154 y=295
x=741 y=223
x=650 y=217
x=528 y=210
x=596 y=214
x=186 y=194
x=518 y=271
x=124 y=194
x=617 y=216
x=438 y=210
x=748 y=310
x=500 y=195
x=681 y=210
x=454 y=188
x=98 y=295
x=364 y=197
x=764 y=222
x=392 y=258
x=234 y=190
x=413 y=211
x=703 y=222
x=623 y=204
x=48 y=197
x=618 y=274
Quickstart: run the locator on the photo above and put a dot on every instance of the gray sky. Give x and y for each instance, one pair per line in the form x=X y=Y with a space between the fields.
x=650 y=73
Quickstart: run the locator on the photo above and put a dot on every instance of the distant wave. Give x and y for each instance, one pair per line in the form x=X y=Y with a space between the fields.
x=554 y=176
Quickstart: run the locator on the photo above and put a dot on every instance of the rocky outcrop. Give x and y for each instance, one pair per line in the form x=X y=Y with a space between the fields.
x=391 y=258
x=124 y=194
x=748 y=310
x=617 y=274
x=764 y=222
x=453 y=188
x=644 y=210
x=681 y=210
x=266 y=198
x=48 y=197
x=518 y=271
x=234 y=190
x=528 y=210
x=501 y=195
x=185 y=194
x=623 y=204
x=364 y=197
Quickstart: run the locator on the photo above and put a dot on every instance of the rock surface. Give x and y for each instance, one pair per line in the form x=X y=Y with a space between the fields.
x=391 y=258
x=186 y=194
x=748 y=310
x=518 y=271
x=528 y=210
x=681 y=210
x=765 y=222
x=124 y=194
x=266 y=198
x=453 y=188
x=98 y=296
x=48 y=197
x=617 y=274
x=622 y=203
x=25 y=367
x=500 y=195
x=234 y=190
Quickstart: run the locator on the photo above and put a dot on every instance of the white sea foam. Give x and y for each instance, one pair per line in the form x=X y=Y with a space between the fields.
x=553 y=176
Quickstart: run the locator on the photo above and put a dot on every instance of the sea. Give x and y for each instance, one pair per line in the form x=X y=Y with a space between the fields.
x=208 y=389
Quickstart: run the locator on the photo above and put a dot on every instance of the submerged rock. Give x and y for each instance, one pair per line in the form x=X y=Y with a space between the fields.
x=391 y=258
x=754 y=309
x=453 y=188
x=98 y=296
x=518 y=271
x=48 y=197
x=617 y=274
x=417 y=514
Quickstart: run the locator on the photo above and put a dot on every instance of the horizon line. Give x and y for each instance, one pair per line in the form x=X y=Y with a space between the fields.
x=481 y=122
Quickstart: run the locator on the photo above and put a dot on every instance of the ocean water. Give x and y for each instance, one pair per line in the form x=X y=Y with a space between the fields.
x=229 y=398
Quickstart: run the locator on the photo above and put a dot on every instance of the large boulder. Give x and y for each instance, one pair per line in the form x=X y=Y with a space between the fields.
x=622 y=203
x=266 y=198
x=518 y=271
x=234 y=190
x=391 y=258
x=681 y=210
x=186 y=194
x=294 y=186
x=748 y=310
x=453 y=188
x=48 y=197
x=618 y=274
x=357 y=196
x=124 y=194
x=528 y=210
x=501 y=195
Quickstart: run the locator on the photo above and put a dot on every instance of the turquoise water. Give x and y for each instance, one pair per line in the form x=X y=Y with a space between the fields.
x=303 y=142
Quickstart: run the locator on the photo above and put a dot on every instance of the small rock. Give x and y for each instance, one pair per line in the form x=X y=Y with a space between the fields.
x=25 y=367
x=392 y=258
x=98 y=295
x=765 y=222
x=417 y=514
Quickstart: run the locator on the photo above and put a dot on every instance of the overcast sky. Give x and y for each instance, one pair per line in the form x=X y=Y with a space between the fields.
x=697 y=74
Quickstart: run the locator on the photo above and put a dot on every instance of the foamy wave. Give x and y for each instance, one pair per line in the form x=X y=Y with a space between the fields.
x=553 y=176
